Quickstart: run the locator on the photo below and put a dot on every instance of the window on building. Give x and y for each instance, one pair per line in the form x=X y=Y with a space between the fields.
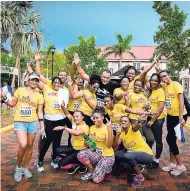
x=137 y=65
x=111 y=70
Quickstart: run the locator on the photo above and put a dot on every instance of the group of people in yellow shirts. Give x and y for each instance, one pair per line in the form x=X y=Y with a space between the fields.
x=123 y=120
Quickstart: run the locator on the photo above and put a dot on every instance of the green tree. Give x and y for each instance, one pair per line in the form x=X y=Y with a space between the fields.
x=172 y=39
x=122 y=46
x=89 y=55
x=19 y=25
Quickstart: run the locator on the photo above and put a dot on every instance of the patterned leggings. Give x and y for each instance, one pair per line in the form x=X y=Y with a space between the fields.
x=103 y=165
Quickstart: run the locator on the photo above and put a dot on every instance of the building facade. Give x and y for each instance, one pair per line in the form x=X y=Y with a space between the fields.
x=143 y=55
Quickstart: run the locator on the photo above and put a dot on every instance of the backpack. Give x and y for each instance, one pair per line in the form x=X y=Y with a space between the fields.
x=187 y=103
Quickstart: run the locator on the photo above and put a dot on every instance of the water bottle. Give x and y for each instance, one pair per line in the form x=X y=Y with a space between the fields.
x=91 y=143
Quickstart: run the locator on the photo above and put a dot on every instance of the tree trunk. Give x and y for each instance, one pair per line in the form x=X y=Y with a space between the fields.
x=16 y=66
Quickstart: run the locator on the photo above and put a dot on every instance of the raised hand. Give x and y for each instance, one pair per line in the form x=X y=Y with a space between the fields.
x=76 y=59
x=108 y=124
x=37 y=56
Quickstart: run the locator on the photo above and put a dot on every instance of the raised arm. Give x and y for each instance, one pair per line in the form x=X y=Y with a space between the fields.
x=147 y=69
x=90 y=104
x=81 y=72
x=66 y=112
x=109 y=141
x=38 y=71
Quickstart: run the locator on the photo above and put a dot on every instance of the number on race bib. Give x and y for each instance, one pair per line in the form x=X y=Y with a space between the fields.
x=56 y=105
x=26 y=111
x=76 y=106
x=168 y=103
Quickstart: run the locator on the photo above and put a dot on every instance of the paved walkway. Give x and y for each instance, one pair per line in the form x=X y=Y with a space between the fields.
x=59 y=180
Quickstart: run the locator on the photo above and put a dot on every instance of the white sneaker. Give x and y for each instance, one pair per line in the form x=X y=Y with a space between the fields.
x=169 y=167
x=40 y=167
x=27 y=173
x=178 y=170
x=54 y=164
x=18 y=174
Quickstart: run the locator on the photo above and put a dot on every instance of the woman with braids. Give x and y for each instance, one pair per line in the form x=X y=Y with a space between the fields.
x=131 y=72
x=88 y=97
x=157 y=99
x=100 y=160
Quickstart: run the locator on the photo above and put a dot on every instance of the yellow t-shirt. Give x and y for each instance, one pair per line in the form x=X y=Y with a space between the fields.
x=99 y=135
x=131 y=84
x=137 y=101
x=119 y=91
x=78 y=141
x=156 y=97
x=116 y=113
x=26 y=109
x=74 y=104
x=139 y=143
x=84 y=107
x=172 y=102
x=51 y=101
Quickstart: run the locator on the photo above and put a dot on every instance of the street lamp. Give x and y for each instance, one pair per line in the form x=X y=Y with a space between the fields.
x=52 y=52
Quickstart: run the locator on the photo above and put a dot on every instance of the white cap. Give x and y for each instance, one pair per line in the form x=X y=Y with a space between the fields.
x=34 y=76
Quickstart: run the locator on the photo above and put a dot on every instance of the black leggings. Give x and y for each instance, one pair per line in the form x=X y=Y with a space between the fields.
x=71 y=157
x=53 y=137
x=173 y=121
x=157 y=131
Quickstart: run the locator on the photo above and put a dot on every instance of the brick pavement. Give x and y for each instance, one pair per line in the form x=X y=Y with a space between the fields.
x=59 y=180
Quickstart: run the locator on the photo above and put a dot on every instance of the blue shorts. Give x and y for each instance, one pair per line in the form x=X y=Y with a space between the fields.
x=29 y=127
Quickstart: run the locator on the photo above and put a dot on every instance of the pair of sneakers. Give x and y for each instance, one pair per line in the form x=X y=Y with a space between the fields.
x=176 y=170
x=54 y=164
x=19 y=172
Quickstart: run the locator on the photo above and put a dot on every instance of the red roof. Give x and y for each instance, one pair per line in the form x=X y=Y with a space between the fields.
x=141 y=53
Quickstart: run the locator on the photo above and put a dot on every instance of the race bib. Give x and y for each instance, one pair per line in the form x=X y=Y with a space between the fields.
x=100 y=102
x=168 y=103
x=26 y=111
x=56 y=105
x=76 y=106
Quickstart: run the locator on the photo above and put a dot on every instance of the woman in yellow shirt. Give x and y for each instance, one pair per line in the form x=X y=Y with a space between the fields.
x=53 y=117
x=103 y=154
x=77 y=144
x=28 y=111
x=138 y=101
x=157 y=99
x=176 y=114
x=121 y=94
x=89 y=100
x=136 y=149
x=131 y=72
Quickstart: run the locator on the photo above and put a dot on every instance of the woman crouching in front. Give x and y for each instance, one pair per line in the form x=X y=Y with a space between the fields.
x=136 y=149
x=99 y=160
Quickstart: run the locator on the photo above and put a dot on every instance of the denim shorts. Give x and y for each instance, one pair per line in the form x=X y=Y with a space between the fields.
x=29 y=127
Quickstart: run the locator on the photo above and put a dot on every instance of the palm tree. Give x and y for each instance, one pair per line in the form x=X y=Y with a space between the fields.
x=20 y=28
x=122 y=46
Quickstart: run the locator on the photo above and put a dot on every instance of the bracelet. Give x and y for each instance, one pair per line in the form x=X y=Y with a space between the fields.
x=6 y=100
x=41 y=120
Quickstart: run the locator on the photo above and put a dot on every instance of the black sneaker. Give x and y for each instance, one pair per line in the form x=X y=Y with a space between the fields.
x=73 y=170
x=83 y=169
x=153 y=165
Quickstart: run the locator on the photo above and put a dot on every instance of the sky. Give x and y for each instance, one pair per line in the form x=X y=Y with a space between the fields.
x=63 y=22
